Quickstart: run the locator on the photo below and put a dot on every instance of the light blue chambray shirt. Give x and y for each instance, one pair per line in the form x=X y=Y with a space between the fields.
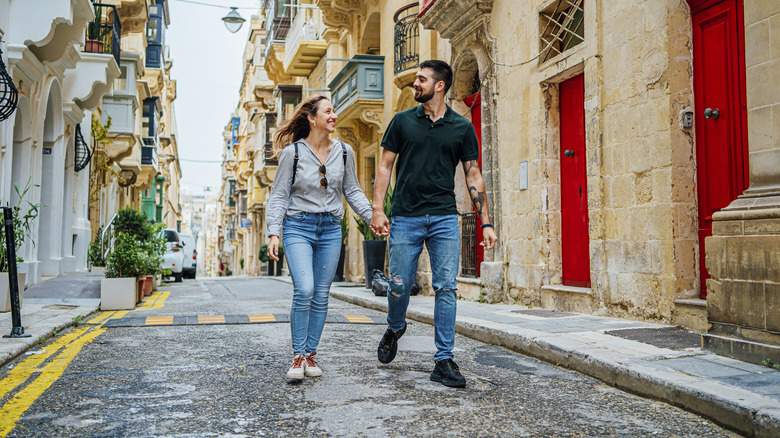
x=306 y=195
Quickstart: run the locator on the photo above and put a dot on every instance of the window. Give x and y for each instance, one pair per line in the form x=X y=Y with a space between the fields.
x=562 y=27
x=151 y=31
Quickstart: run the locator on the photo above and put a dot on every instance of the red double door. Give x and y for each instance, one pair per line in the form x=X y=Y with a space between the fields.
x=720 y=111
x=475 y=103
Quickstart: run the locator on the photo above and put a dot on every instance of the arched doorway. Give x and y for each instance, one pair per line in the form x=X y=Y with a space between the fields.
x=467 y=88
x=50 y=163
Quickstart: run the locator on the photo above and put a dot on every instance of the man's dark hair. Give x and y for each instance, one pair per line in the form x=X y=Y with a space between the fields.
x=441 y=72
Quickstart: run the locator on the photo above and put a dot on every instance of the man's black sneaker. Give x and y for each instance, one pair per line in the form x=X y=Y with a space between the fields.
x=388 y=346
x=447 y=372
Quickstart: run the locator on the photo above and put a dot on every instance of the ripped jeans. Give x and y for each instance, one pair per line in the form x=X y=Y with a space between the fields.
x=441 y=236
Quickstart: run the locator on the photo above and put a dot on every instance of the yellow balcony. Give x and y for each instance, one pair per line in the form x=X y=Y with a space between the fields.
x=304 y=45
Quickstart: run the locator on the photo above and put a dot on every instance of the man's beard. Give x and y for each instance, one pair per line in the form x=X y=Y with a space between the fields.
x=422 y=98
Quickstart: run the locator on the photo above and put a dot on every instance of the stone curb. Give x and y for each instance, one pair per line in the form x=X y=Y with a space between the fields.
x=743 y=411
x=8 y=355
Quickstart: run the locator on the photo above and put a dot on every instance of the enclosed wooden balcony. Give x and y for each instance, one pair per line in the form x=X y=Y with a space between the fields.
x=358 y=85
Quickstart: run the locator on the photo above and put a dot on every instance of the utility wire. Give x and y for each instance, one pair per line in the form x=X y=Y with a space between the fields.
x=216 y=6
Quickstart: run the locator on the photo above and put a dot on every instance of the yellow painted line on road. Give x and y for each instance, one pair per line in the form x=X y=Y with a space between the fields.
x=261 y=318
x=358 y=318
x=155 y=301
x=211 y=319
x=101 y=318
x=15 y=407
x=158 y=320
x=24 y=369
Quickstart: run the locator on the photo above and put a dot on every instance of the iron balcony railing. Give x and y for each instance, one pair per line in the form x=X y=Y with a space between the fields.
x=276 y=32
x=468 y=244
x=268 y=148
x=104 y=34
x=407 y=37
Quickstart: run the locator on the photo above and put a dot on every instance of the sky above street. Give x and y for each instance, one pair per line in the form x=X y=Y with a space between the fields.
x=207 y=68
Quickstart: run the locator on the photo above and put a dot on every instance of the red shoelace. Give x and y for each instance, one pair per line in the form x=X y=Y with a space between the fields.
x=310 y=360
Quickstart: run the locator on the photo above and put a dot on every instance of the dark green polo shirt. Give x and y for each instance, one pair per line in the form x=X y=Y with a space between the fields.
x=428 y=154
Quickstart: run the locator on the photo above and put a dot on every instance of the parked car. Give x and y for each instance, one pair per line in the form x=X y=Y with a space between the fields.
x=190 y=264
x=173 y=258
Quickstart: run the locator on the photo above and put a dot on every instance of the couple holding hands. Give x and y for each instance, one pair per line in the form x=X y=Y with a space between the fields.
x=315 y=171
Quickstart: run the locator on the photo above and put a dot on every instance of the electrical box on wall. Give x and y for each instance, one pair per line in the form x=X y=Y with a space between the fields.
x=523 y=176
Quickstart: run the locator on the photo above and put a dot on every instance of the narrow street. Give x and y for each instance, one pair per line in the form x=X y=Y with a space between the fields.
x=165 y=369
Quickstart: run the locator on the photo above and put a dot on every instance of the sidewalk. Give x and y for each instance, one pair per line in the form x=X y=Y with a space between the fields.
x=49 y=306
x=652 y=360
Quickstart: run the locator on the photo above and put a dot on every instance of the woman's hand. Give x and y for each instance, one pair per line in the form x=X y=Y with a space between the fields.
x=273 y=248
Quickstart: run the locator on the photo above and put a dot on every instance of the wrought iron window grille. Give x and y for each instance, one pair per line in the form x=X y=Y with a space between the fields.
x=468 y=244
x=563 y=27
x=83 y=154
x=9 y=95
x=406 y=41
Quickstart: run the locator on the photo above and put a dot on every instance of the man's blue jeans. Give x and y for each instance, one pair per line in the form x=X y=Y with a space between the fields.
x=440 y=235
x=312 y=243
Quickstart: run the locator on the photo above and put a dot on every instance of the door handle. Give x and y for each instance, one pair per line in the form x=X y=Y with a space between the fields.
x=710 y=113
x=569 y=153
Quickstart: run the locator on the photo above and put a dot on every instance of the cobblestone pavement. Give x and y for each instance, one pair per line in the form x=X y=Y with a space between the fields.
x=217 y=379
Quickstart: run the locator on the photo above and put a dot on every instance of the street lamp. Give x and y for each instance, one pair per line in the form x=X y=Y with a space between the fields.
x=233 y=20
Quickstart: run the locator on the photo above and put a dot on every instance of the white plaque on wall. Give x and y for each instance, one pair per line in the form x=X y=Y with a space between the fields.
x=523 y=183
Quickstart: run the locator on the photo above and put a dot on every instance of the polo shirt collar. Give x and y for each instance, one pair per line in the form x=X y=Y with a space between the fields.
x=449 y=115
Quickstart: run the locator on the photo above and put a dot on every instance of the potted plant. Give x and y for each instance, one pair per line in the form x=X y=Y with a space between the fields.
x=94 y=43
x=23 y=221
x=374 y=247
x=344 y=233
x=119 y=290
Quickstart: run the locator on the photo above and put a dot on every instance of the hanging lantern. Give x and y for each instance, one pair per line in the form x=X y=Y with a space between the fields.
x=9 y=96
x=233 y=20
x=83 y=153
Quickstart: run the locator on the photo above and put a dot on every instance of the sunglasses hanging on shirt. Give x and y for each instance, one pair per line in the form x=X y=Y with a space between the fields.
x=323 y=180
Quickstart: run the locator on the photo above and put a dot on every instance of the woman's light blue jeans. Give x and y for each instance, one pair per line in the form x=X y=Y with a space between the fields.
x=440 y=235
x=312 y=243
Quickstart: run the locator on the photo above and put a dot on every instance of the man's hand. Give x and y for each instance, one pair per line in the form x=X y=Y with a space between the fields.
x=273 y=248
x=489 y=238
x=380 y=225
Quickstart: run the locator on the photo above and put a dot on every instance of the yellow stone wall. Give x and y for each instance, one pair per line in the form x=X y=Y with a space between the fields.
x=636 y=62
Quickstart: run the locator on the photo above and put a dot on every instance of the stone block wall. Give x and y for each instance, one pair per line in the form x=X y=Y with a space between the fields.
x=641 y=189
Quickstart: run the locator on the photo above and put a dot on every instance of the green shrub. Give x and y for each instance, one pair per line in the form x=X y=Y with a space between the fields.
x=127 y=259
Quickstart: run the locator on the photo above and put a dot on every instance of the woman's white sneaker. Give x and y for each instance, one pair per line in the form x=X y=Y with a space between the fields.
x=296 y=370
x=310 y=367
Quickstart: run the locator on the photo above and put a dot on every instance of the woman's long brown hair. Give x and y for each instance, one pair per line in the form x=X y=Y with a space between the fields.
x=297 y=126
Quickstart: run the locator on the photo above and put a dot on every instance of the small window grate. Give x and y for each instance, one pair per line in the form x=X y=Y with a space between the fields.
x=83 y=153
x=562 y=27
x=468 y=245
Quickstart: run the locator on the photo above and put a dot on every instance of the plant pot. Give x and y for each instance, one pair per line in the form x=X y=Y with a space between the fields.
x=271 y=268
x=373 y=257
x=93 y=46
x=5 y=290
x=280 y=265
x=156 y=280
x=118 y=293
x=140 y=290
x=340 y=267
x=147 y=285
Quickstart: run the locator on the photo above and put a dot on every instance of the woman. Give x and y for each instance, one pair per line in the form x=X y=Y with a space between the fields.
x=306 y=200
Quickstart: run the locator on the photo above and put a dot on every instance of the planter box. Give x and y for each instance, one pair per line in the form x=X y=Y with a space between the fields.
x=373 y=257
x=118 y=293
x=5 y=290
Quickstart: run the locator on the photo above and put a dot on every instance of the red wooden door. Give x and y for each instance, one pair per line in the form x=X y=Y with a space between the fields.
x=574 y=189
x=719 y=99
x=475 y=103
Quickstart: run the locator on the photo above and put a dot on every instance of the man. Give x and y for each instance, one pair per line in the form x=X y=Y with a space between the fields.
x=429 y=141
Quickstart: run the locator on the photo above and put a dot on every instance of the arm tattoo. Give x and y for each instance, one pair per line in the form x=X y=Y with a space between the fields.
x=478 y=198
x=468 y=165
